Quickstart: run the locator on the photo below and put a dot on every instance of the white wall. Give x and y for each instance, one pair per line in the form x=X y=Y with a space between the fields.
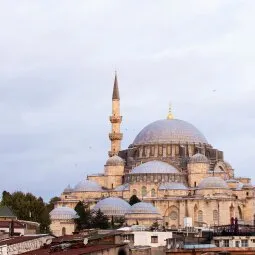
x=144 y=238
x=3 y=250
x=16 y=230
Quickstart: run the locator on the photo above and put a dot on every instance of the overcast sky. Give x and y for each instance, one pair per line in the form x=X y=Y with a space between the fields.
x=57 y=63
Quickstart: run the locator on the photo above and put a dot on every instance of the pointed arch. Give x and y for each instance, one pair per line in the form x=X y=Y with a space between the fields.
x=144 y=191
x=153 y=193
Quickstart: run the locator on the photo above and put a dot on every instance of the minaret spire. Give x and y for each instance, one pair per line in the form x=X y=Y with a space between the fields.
x=170 y=115
x=115 y=135
x=115 y=93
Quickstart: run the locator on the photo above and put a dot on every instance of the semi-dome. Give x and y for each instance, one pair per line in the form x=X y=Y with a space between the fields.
x=63 y=213
x=169 y=131
x=123 y=187
x=87 y=185
x=154 y=166
x=143 y=208
x=112 y=206
x=199 y=158
x=213 y=182
x=115 y=161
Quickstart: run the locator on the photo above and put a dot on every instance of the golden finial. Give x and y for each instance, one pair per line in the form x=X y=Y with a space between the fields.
x=170 y=115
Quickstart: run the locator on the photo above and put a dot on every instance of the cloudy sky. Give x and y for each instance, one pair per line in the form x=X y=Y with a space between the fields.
x=57 y=63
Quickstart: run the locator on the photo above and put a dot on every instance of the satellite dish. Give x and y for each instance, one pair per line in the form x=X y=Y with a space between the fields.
x=85 y=241
x=48 y=241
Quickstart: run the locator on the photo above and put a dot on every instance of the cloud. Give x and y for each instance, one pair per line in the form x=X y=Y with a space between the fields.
x=56 y=75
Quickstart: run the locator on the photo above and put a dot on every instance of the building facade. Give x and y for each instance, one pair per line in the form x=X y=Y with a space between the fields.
x=172 y=166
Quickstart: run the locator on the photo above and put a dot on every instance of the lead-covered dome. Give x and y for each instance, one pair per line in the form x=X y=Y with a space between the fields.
x=115 y=161
x=87 y=185
x=213 y=182
x=143 y=208
x=63 y=213
x=112 y=206
x=199 y=158
x=154 y=166
x=169 y=131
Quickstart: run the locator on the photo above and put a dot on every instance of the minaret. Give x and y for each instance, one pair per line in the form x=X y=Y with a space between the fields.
x=115 y=136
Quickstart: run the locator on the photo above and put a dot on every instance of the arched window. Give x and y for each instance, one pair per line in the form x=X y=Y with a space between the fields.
x=63 y=231
x=134 y=192
x=215 y=216
x=195 y=212
x=144 y=191
x=200 y=216
x=153 y=193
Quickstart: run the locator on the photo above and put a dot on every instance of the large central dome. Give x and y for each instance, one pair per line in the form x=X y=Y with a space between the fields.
x=169 y=131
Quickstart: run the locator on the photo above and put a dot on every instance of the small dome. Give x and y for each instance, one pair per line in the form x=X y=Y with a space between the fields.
x=63 y=213
x=122 y=187
x=172 y=186
x=154 y=166
x=213 y=182
x=87 y=185
x=247 y=186
x=228 y=166
x=143 y=208
x=68 y=189
x=232 y=181
x=112 y=206
x=115 y=161
x=199 y=158
x=169 y=131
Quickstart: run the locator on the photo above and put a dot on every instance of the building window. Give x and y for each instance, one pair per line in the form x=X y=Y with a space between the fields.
x=63 y=231
x=173 y=215
x=200 y=216
x=160 y=150
x=153 y=193
x=215 y=216
x=237 y=243
x=144 y=191
x=152 y=150
x=244 y=243
x=154 y=239
x=217 y=243
x=225 y=243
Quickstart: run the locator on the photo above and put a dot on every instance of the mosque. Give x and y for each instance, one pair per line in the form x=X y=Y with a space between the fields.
x=180 y=178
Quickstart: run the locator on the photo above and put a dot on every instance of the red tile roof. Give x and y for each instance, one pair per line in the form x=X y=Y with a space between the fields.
x=78 y=251
x=6 y=224
x=18 y=239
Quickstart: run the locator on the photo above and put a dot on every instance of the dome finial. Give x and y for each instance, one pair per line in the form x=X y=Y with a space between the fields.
x=170 y=115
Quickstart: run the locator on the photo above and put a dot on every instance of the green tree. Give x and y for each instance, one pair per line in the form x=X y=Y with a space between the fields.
x=100 y=220
x=85 y=218
x=133 y=200
x=52 y=202
x=28 y=207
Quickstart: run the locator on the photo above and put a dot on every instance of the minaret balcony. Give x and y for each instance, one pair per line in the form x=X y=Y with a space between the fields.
x=115 y=136
x=115 y=119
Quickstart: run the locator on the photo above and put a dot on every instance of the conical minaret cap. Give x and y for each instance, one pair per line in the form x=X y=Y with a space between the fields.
x=115 y=93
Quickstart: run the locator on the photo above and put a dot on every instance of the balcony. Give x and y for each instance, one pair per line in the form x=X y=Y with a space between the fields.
x=115 y=136
x=115 y=119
